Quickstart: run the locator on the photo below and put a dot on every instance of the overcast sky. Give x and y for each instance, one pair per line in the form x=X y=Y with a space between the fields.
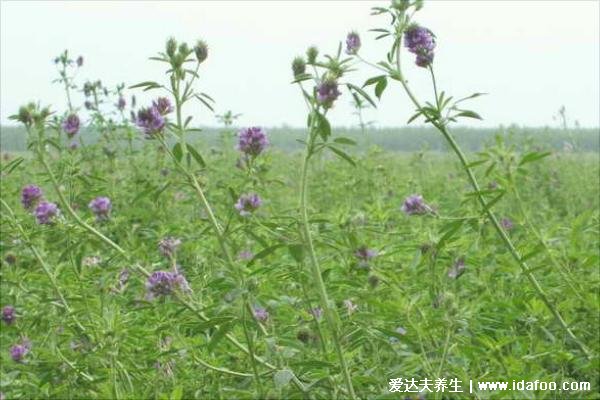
x=531 y=57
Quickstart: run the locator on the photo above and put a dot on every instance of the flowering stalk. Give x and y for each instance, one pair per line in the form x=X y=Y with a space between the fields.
x=421 y=42
x=323 y=96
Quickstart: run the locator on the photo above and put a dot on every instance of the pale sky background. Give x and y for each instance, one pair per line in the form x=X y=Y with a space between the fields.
x=531 y=57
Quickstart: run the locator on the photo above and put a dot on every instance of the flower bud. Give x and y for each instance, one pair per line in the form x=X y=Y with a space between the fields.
x=401 y=5
x=184 y=49
x=311 y=54
x=171 y=47
x=201 y=51
x=298 y=66
x=352 y=43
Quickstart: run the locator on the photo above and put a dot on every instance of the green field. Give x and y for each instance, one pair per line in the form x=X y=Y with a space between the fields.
x=412 y=320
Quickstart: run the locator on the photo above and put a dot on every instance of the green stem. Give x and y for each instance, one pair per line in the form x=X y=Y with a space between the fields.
x=251 y=349
x=330 y=314
x=491 y=216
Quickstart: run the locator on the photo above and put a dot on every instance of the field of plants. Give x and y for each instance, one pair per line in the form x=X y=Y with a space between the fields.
x=143 y=258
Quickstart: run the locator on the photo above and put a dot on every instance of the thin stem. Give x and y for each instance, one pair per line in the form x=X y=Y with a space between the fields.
x=251 y=350
x=489 y=213
x=330 y=314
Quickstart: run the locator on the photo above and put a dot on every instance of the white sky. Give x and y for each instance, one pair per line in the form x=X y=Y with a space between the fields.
x=532 y=57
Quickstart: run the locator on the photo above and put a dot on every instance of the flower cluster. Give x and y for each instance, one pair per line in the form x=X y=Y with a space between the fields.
x=168 y=246
x=507 y=224
x=248 y=203
x=101 y=207
x=420 y=41
x=150 y=121
x=261 y=314
x=30 y=195
x=327 y=93
x=252 y=141
x=19 y=351
x=352 y=43
x=71 y=125
x=164 y=283
x=365 y=255
x=163 y=105
x=415 y=205
x=45 y=212
x=8 y=314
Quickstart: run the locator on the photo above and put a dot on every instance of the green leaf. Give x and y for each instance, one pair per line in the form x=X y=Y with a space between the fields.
x=362 y=93
x=468 y=114
x=196 y=155
x=345 y=140
x=342 y=154
x=534 y=156
x=322 y=126
x=177 y=151
x=146 y=84
x=380 y=87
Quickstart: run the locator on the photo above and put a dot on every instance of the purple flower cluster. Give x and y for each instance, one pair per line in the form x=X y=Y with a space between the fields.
x=327 y=93
x=45 y=212
x=101 y=207
x=163 y=105
x=30 y=195
x=365 y=255
x=8 y=314
x=121 y=103
x=252 y=141
x=507 y=224
x=317 y=312
x=420 y=41
x=71 y=125
x=168 y=246
x=163 y=283
x=352 y=43
x=248 y=203
x=245 y=255
x=19 y=351
x=150 y=121
x=261 y=314
x=415 y=205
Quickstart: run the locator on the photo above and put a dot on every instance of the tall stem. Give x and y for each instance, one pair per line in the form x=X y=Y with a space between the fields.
x=490 y=214
x=330 y=314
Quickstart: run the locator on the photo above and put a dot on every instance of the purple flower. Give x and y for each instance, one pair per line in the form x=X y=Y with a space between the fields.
x=365 y=255
x=19 y=351
x=168 y=246
x=317 y=312
x=8 y=314
x=150 y=121
x=79 y=61
x=73 y=145
x=414 y=205
x=252 y=141
x=507 y=224
x=457 y=268
x=261 y=314
x=101 y=207
x=352 y=43
x=121 y=103
x=163 y=105
x=30 y=195
x=45 y=212
x=163 y=283
x=71 y=125
x=247 y=203
x=421 y=42
x=245 y=255
x=327 y=93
